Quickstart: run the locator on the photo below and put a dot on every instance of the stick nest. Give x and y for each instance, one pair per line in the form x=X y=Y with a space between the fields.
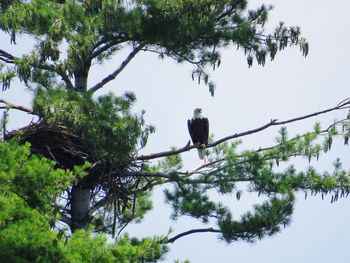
x=68 y=150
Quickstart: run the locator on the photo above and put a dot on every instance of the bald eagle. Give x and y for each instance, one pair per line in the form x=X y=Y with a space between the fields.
x=198 y=128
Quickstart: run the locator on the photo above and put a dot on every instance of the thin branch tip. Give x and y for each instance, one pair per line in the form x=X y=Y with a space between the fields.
x=193 y=231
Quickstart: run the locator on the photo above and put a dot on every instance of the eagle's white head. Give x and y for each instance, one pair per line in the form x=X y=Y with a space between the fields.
x=197 y=113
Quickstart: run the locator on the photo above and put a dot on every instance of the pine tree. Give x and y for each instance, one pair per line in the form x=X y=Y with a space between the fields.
x=79 y=166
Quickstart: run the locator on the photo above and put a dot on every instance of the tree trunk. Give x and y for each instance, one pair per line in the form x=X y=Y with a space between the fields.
x=80 y=208
x=80 y=83
x=81 y=195
x=81 y=73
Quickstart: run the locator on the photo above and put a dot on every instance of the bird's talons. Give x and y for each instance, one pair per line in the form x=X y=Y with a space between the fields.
x=200 y=145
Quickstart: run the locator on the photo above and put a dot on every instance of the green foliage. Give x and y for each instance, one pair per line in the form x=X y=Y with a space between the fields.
x=265 y=220
x=82 y=247
x=170 y=164
x=32 y=178
x=106 y=124
x=24 y=232
x=186 y=31
x=227 y=169
x=29 y=187
x=71 y=36
x=6 y=76
x=135 y=250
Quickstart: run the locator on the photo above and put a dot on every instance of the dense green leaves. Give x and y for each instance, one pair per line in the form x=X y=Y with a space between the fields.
x=70 y=37
x=187 y=31
x=32 y=178
x=231 y=172
x=106 y=124
x=265 y=220
x=30 y=186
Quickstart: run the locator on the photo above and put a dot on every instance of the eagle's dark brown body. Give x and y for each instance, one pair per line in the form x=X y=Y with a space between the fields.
x=198 y=128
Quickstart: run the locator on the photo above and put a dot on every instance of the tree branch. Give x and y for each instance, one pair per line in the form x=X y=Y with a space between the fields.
x=118 y=70
x=229 y=11
x=343 y=104
x=6 y=57
x=16 y=107
x=61 y=73
x=65 y=219
x=201 y=230
x=107 y=45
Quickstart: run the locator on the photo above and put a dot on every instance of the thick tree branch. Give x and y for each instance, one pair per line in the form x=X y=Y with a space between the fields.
x=16 y=107
x=193 y=231
x=6 y=57
x=118 y=70
x=342 y=105
x=107 y=45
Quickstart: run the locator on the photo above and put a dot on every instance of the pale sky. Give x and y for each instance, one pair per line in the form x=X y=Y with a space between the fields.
x=246 y=98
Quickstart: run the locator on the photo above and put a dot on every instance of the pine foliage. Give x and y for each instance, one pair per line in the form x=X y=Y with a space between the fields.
x=87 y=143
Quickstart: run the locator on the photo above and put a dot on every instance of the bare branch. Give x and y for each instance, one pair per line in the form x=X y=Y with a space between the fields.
x=118 y=70
x=16 y=107
x=6 y=57
x=165 y=153
x=201 y=230
x=342 y=105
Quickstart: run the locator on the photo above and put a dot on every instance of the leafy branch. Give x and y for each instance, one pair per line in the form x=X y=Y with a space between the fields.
x=274 y=122
x=56 y=69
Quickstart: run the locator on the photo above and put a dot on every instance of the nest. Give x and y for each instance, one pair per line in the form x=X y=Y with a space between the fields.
x=58 y=143
x=54 y=142
x=108 y=183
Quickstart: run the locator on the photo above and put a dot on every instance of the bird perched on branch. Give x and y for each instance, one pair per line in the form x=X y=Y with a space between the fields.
x=198 y=128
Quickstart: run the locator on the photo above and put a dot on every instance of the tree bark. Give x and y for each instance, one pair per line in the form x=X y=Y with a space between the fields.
x=80 y=83
x=80 y=208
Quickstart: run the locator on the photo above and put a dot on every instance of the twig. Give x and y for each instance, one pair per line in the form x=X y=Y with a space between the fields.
x=273 y=122
x=201 y=230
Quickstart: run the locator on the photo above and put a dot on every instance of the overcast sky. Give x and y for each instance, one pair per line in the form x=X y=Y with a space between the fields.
x=246 y=98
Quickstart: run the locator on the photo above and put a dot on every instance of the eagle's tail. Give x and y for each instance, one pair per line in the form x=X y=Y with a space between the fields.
x=201 y=153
